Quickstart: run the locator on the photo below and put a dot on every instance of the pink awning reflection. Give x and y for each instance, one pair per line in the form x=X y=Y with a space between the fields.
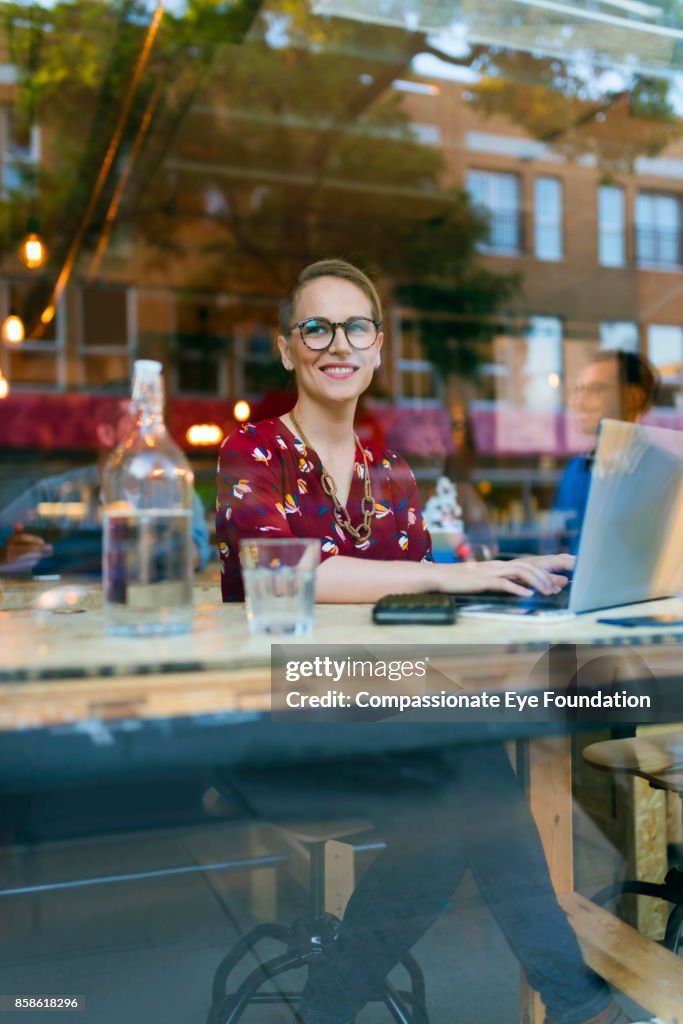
x=511 y=431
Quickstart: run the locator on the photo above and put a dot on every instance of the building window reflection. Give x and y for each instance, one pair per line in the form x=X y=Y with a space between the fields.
x=548 y=219
x=621 y=334
x=108 y=318
x=19 y=149
x=658 y=230
x=665 y=351
x=543 y=363
x=611 y=226
x=199 y=344
x=499 y=195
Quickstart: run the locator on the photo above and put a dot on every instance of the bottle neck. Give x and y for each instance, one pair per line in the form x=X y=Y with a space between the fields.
x=148 y=396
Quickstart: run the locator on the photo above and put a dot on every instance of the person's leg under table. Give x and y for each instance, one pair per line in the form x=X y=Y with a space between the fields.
x=478 y=815
x=507 y=858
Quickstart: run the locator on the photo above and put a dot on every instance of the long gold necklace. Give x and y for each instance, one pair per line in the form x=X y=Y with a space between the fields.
x=363 y=530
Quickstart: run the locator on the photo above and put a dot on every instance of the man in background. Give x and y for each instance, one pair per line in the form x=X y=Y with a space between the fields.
x=68 y=505
x=616 y=385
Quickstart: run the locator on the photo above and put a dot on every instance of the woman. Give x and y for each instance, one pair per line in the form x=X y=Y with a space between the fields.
x=306 y=475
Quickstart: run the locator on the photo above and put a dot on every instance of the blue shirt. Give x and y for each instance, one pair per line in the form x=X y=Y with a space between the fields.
x=571 y=499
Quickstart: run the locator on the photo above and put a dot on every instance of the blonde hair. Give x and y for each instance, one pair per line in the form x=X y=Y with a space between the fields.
x=328 y=268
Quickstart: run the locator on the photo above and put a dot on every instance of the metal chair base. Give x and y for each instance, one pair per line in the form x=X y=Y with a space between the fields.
x=671 y=890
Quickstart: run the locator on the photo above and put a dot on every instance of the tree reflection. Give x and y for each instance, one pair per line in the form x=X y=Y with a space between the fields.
x=261 y=137
x=566 y=105
x=275 y=139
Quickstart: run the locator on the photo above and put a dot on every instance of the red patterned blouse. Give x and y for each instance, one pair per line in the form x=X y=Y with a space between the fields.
x=269 y=484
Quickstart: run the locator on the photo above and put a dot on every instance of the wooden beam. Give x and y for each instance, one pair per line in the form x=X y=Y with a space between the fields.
x=643 y=970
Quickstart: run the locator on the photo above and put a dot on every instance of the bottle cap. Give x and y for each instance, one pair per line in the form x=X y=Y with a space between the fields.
x=147 y=369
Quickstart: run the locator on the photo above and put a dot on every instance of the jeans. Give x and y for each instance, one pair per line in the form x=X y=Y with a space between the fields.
x=439 y=813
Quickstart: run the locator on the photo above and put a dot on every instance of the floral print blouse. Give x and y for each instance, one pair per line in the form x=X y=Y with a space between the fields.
x=269 y=484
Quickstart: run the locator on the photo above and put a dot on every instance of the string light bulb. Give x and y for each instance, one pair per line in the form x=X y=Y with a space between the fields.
x=241 y=411
x=13 y=330
x=202 y=434
x=32 y=250
x=4 y=386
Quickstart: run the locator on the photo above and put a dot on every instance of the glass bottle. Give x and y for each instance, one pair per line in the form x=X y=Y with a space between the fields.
x=147 y=486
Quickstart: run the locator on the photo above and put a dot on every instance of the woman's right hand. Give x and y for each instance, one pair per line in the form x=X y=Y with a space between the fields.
x=519 y=576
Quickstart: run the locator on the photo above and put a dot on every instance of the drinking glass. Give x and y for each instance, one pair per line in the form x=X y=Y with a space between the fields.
x=279 y=584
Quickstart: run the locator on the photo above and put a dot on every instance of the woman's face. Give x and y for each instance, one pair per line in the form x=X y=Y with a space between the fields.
x=340 y=373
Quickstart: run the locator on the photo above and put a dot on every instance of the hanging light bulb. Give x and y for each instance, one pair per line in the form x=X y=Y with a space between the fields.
x=13 y=331
x=4 y=386
x=32 y=250
x=241 y=410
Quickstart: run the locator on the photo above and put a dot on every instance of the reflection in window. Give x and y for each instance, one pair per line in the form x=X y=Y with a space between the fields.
x=104 y=314
x=658 y=227
x=548 y=218
x=260 y=367
x=622 y=334
x=19 y=148
x=415 y=377
x=199 y=347
x=29 y=300
x=499 y=194
x=107 y=318
x=665 y=351
x=543 y=363
x=611 y=222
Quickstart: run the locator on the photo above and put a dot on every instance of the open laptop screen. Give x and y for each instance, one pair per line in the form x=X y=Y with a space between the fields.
x=631 y=546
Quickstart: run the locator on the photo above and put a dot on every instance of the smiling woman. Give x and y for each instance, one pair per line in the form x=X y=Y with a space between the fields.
x=306 y=474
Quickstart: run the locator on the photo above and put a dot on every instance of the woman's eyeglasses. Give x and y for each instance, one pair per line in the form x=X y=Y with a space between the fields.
x=318 y=333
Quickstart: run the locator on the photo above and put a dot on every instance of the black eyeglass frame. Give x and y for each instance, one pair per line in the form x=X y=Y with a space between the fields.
x=343 y=324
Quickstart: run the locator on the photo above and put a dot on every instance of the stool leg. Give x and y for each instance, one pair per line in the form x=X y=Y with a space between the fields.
x=674 y=929
x=316 y=894
x=656 y=889
x=418 y=990
x=395 y=1004
x=239 y=950
x=232 y=1007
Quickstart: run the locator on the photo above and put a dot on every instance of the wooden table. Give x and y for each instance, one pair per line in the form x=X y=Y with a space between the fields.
x=57 y=665
x=58 y=669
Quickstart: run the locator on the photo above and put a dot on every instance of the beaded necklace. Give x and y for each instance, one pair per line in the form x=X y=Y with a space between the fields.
x=363 y=530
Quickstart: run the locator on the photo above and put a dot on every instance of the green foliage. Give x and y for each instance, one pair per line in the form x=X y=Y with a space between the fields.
x=459 y=315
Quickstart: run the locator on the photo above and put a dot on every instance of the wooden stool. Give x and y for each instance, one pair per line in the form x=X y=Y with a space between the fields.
x=308 y=938
x=659 y=760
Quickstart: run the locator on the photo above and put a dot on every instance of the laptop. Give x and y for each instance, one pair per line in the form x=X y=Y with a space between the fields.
x=631 y=544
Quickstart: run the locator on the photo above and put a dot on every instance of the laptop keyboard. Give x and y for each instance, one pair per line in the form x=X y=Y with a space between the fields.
x=533 y=601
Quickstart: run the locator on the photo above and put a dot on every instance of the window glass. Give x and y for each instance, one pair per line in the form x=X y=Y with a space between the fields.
x=658 y=229
x=19 y=148
x=542 y=363
x=548 y=218
x=665 y=349
x=611 y=237
x=199 y=344
x=29 y=299
x=622 y=334
x=105 y=317
x=498 y=194
x=512 y=184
